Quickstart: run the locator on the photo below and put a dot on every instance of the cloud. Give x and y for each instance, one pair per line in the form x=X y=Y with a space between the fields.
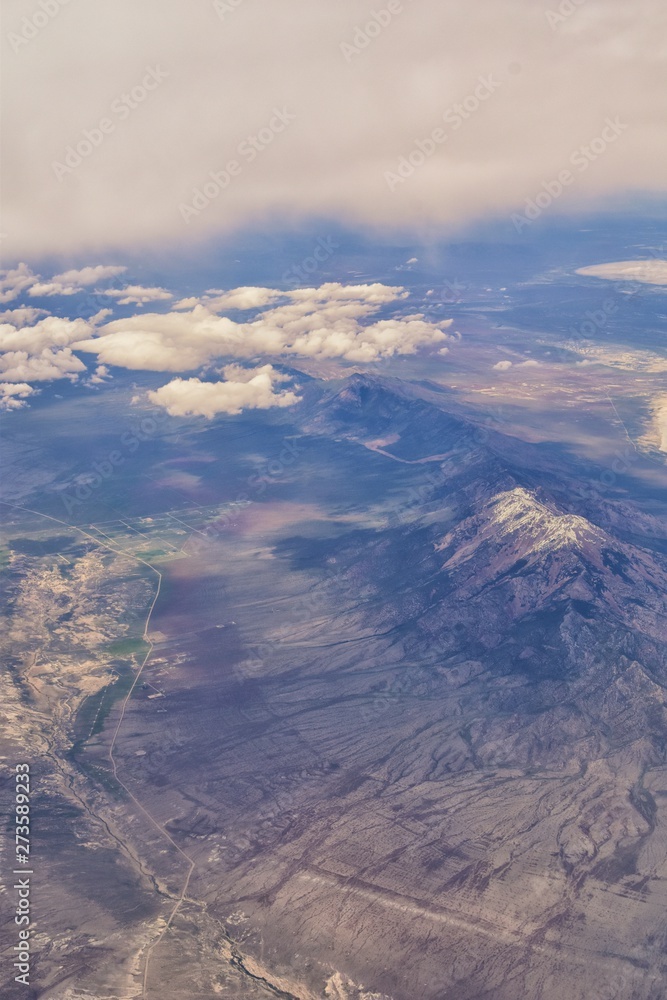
x=22 y=316
x=44 y=367
x=656 y=432
x=14 y=281
x=649 y=272
x=502 y=366
x=22 y=279
x=244 y=298
x=99 y=376
x=14 y=396
x=661 y=425
x=237 y=373
x=41 y=352
x=324 y=322
x=75 y=280
x=242 y=390
x=137 y=294
x=357 y=111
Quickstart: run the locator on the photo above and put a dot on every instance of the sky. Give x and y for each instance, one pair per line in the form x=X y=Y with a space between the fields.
x=164 y=125
x=317 y=103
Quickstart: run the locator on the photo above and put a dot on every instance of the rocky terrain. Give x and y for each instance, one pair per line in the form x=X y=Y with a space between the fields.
x=400 y=733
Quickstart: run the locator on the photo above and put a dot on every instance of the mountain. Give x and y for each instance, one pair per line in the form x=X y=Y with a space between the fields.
x=509 y=654
x=403 y=721
x=385 y=414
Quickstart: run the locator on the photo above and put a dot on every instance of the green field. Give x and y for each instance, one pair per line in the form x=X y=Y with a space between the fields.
x=94 y=711
x=127 y=647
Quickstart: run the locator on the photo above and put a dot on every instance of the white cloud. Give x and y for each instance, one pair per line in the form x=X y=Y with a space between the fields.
x=41 y=352
x=16 y=366
x=75 y=280
x=324 y=322
x=332 y=291
x=656 y=433
x=661 y=426
x=137 y=294
x=48 y=332
x=253 y=390
x=100 y=316
x=649 y=272
x=247 y=297
x=502 y=366
x=14 y=281
x=237 y=373
x=355 y=118
x=100 y=375
x=187 y=303
x=22 y=316
x=14 y=396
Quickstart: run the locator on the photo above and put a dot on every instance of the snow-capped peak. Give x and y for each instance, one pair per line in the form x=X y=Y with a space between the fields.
x=517 y=522
x=519 y=511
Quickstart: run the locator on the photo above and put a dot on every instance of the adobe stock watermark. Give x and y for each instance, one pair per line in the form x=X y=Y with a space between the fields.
x=265 y=475
x=224 y=7
x=33 y=24
x=364 y=34
x=86 y=484
x=622 y=293
x=564 y=10
x=121 y=109
x=247 y=150
x=597 y=319
x=455 y=117
x=581 y=159
x=434 y=480
x=299 y=274
x=450 y=293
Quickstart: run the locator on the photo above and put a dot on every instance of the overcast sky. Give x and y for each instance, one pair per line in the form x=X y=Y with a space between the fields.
x=319 y=107
x=138 y=128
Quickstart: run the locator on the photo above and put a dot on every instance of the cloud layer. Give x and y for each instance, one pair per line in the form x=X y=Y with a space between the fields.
x=75 y=280
x=19 y=280
x=360 y=323
x=191 y=116
x=648 y=272
x=138 y=294
x=331 y=321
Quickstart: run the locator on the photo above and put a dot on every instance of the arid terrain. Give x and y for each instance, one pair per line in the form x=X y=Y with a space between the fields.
x=401 y=735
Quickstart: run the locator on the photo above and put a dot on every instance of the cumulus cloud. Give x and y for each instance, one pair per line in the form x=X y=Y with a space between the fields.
x=41 y=352
x=241 y=390
x=502 y=366
x=332 y=321
x=357 y=112
x=649 y=272
x=138 y=294
x=13 y=396
x=237 y=373
x=15 y=280
x=42 y=367
x=22 y=316
x=75 y=280
x=100 y=375
x=247 y=297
